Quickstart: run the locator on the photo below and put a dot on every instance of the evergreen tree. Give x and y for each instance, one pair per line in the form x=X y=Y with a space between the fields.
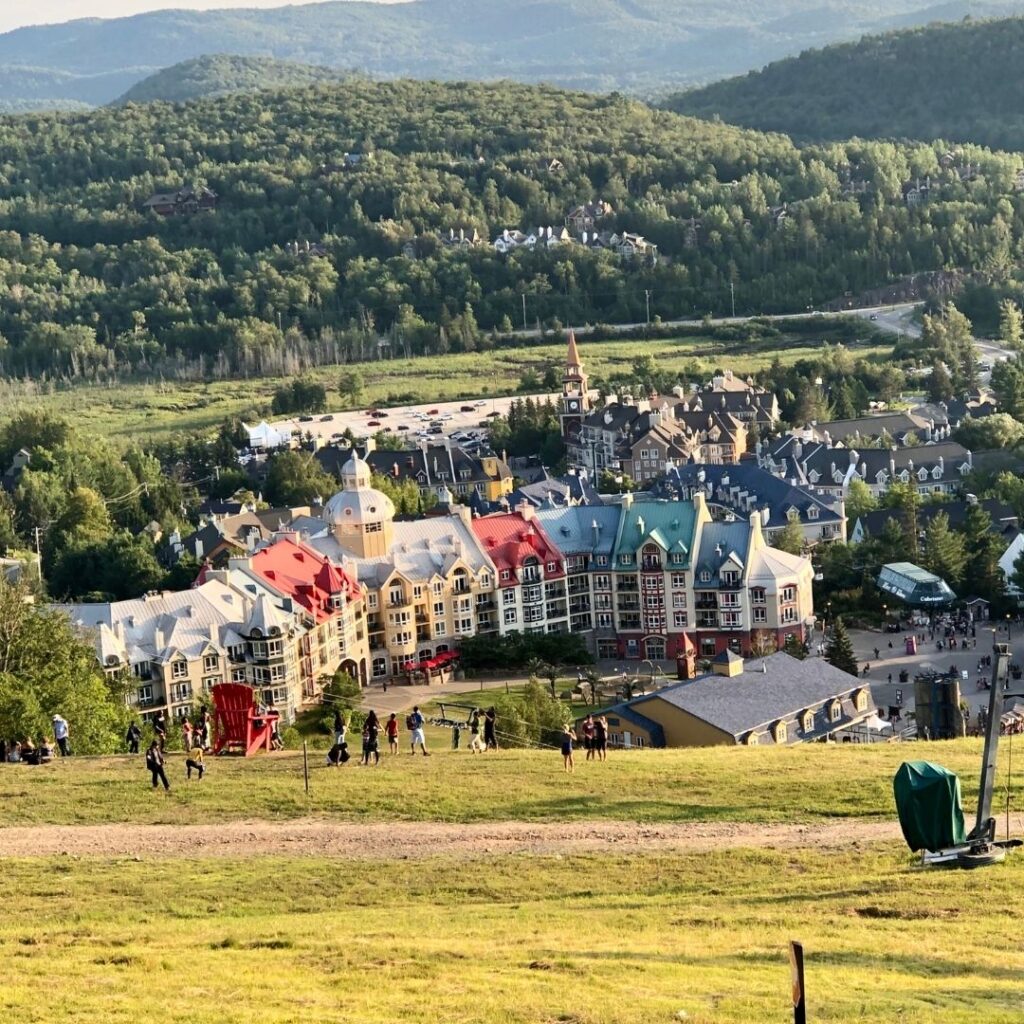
x=859 y=500
x=982 y=575
x=944 y=553
x=1011 y=324
x=904 y=498
x=940 y=384
x=839 y=652
x=795 y=648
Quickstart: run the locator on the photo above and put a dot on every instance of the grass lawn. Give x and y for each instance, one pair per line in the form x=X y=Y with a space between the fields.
x=800 y=783
x=502 y=940
x=146 y=411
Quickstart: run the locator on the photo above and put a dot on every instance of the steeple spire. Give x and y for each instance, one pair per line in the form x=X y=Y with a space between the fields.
x=572 y=357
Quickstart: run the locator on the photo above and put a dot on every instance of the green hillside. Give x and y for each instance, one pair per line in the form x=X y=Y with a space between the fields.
x=959 y=82
x=219 y=74
x=641 y=46
x=311 y=255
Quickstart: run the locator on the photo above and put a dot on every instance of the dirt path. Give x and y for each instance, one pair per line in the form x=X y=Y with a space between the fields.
x=401 y=841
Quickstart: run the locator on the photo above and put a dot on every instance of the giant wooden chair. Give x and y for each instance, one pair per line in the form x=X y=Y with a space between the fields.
x=238 y=725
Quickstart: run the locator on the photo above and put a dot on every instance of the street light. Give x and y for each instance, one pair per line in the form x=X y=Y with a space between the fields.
x=1008 y=627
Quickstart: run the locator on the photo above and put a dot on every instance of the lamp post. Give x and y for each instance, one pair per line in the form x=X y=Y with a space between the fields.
x=1008 y=634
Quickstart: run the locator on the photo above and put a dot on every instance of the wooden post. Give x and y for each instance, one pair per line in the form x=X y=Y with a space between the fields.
x=305 y=766
x=796 y=966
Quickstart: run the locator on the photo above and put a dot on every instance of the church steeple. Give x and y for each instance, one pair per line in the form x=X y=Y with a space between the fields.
x=575 y=398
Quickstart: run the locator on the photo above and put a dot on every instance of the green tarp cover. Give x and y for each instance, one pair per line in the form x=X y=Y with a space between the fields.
x=928 y=802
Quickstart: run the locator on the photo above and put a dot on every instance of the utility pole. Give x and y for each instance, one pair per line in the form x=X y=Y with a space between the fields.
x=39 y=555
x=525 y=328
x=647 y=296
x=732 y=293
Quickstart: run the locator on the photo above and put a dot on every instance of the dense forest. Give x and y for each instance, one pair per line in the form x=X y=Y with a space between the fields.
x=957 y=82
x=93 y=282
x=220 y=74
x=642 y=46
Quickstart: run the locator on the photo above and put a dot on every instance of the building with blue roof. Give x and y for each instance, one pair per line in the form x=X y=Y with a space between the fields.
x=745 y=488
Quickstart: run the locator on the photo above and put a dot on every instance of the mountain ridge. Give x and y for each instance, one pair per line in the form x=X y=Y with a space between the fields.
x=641 y=46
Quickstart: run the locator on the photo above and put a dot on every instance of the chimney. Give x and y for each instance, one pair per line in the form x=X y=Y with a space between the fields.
x=766 y=514
x=727 y=664
x=526 y=510
x=595 y=532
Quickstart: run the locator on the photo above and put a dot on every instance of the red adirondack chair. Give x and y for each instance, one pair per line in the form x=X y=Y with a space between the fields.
x=237 y=723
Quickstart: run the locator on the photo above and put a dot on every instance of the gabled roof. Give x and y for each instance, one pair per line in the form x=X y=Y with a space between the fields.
x=510 y=539
x=582 y=529
x=668 y=523
x=721 y=543
x=769 y=689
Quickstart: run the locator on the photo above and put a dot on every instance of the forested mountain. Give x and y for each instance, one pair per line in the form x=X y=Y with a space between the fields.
x=219 y=74
x=959 y=82
x=29 y=88
x=645 y=46
x=330 y=201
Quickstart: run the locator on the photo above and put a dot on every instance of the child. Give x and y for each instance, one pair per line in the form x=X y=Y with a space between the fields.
x=195 y=760
x=391 y=728
x=568 y=737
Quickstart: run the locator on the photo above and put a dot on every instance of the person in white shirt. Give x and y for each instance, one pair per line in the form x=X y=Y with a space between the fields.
x=60 y=734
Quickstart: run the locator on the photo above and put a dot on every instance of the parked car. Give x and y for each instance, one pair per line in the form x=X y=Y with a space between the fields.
x=467 y=408
x=401 y=426
x=373 y=423
x=326 y=419
x=436 y=430
x=491 y=415
x=432 y=412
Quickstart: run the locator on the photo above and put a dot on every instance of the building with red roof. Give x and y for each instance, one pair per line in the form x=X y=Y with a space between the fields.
x=531 y=573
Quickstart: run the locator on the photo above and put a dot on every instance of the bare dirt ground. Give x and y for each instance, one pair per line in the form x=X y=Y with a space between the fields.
x=403 y=841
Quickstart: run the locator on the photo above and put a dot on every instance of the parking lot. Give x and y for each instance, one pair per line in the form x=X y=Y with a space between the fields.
x=469 y=419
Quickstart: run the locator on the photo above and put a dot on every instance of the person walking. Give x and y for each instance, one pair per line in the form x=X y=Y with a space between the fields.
x=61 y=735
x=155 y=764
x=601 y=738
x=160 y=729
x=415 y=722
x=391 y=730
x=490 y=729
x=194 y=762
x=132 y=737
x=339 y=728
x=475 y=743
x=568 y=737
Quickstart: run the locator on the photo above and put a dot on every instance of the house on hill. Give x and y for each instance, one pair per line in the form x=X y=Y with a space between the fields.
x=778 y=700
x=183 y=201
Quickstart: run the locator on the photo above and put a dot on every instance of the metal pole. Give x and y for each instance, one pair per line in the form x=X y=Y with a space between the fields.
x=732 y=293
x=305 y=766
x=796 y=967
x=984 y=827
x=524 y=312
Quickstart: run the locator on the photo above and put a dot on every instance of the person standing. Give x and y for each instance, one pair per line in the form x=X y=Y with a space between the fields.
x=392 y=732
x=339 y=728
x=186 y=735
x=132 y=737
x=490 y=729
x=475 y=743
x=588 y=736
x=568 y=736
x=61 y=735
x=371 y=732
x=601 y=738
x=416 y=722
x=194 y=762
x=160 y=729
x=155 y=764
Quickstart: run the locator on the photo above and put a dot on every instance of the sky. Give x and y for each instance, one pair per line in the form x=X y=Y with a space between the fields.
x=15 y=14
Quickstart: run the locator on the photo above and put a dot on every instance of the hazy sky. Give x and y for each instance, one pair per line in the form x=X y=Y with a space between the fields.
x=15 y=13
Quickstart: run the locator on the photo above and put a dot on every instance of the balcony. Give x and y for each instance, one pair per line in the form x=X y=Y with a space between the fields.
x=706 y=621
x=651 y=565
x=627 y=585
x=706 y=602
x=629 y=621
x=629 y=606
x=579 y=605
x=579 y=585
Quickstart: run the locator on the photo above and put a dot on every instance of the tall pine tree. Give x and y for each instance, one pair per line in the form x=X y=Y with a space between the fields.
x=839 y=652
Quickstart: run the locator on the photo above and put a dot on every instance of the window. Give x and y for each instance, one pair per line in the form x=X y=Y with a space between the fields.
x=181 y=691
x=625 y=559
x=274 y=649
x=757 y=595
x=552 y=566
x=210 y=663
x=812 y=512
x=835 y=711
x=730 y=577
x=788 y=594
x=511 y=616
x=439 y=629
x=143 y=670
x=505 y=574
x=210 y=682
x=373 y=528
x=602 y=582
x=371 y=602
x=678 y=600
x=379 y=667
x=760 y=615
x=417 y=591
x=602 y=559
x=788 y=616
x=705 y=576
x=604 y=620
x=731 y=620
x=145 y=694
x=780 y=732
x=860 y=700
x=438 y=587
x=807 y=721
x=679 y=580
x=485 y=579
x=238 y=675
x=679 y=620
x=396 y=596
x=464 y=626
x=678 y=558
x=179 y=669
x=403 y=637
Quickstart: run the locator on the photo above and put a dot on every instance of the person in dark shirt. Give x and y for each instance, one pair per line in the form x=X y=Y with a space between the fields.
x=132 y=737
x=155 y=764
x=160 y=729
x=475 y=743
x=490 y=729
x=568 y=736
x=371 y=731
x=600 y=742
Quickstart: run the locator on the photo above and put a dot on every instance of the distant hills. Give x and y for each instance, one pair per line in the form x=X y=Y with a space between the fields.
x=642 y=46
x=220 y=74
x=962 y=83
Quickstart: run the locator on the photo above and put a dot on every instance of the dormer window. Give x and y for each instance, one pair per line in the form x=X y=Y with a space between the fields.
x=812 y=512
x=860 y=700
x=705 y=576
x=835 y=711
x=807 y=721
x=779 y=732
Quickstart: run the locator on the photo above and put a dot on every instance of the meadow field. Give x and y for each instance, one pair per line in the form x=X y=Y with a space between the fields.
x=361 y=901
x=143 y=411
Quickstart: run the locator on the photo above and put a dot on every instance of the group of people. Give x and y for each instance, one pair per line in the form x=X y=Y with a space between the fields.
x=594 y=732
x=372 y=728
x=27 y=751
